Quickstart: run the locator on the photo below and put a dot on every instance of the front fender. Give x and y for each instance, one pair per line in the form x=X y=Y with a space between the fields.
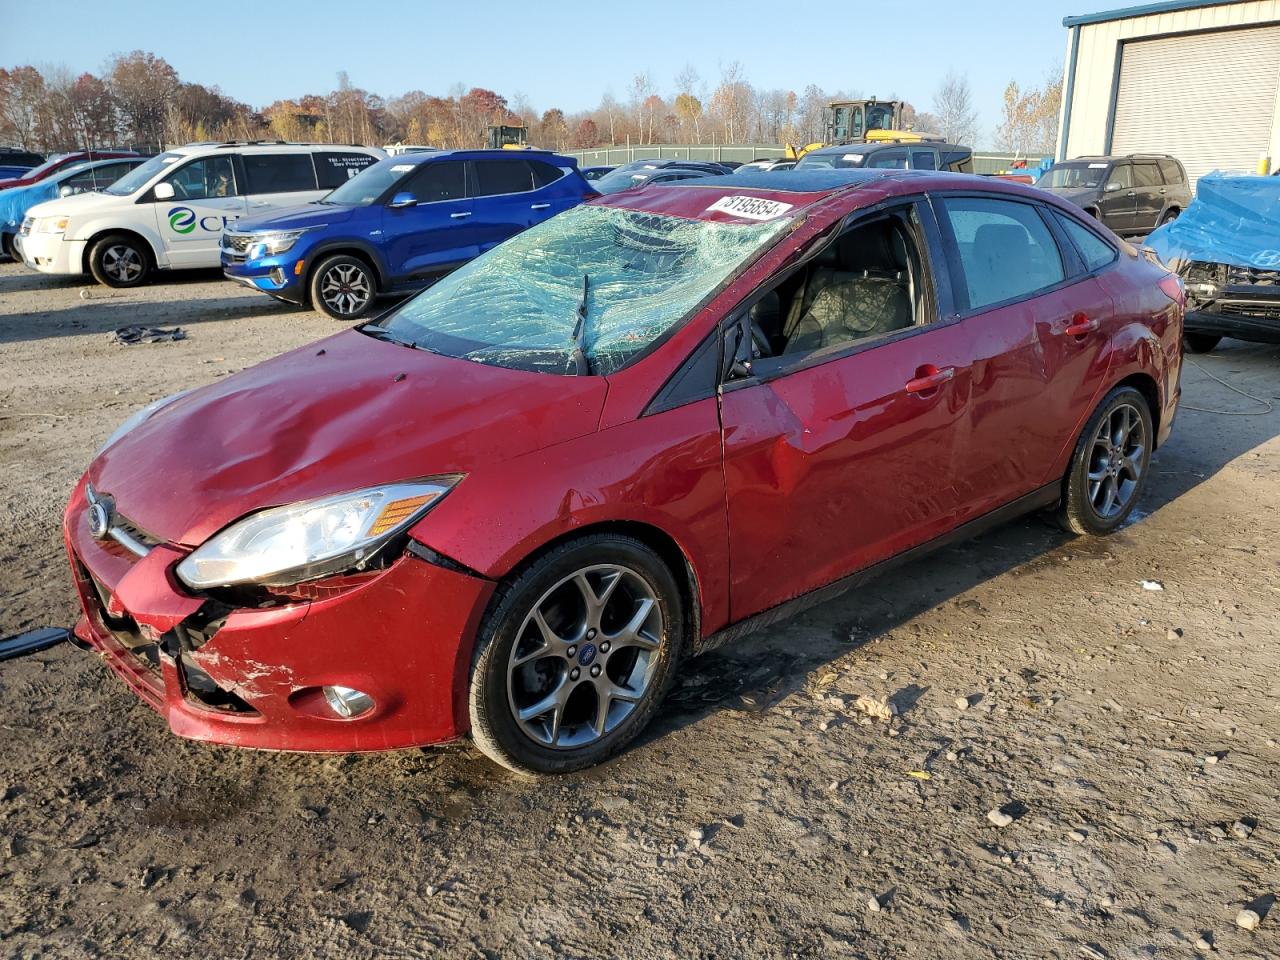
x=346 y=245
x=98 y=225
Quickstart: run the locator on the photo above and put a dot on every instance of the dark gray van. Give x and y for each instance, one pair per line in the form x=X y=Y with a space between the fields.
x=1133 y=194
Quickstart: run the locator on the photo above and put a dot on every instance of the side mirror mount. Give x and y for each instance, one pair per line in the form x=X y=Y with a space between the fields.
x=403 y=199
x=1111 y=187
x=163 y=191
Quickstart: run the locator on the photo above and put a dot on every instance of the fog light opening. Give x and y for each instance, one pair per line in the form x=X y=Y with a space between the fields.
x=346 y=702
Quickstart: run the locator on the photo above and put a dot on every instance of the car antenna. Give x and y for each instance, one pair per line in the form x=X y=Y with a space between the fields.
x=580 y=359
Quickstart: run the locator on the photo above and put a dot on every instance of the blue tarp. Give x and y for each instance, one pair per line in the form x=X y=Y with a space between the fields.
x=16 y=201
x=1234 y=218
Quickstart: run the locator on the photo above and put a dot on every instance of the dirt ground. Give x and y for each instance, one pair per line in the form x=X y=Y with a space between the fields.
x=1132 y=733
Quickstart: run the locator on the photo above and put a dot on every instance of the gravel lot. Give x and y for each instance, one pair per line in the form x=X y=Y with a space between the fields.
x=1130 y=732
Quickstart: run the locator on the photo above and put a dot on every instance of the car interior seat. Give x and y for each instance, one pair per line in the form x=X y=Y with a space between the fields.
x=860 y=287
x=1002 y=254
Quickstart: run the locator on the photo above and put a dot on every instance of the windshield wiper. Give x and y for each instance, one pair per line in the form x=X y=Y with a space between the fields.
x=582 y=363
x=382 y=333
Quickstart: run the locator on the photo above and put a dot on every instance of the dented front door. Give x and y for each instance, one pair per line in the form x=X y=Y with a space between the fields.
x=835 y=466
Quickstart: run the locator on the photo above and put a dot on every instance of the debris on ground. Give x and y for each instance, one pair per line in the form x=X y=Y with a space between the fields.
x=1153 y=585
x=31 y=641
x=138 y=333
x=882 y=708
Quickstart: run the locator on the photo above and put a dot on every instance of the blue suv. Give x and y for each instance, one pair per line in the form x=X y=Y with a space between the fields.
x=399 y=225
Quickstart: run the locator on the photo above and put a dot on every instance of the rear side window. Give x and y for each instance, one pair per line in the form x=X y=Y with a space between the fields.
x=888 y=160
x=494 y=177
x=1146 y=175
x=1095 y=251
x=442 y=180
x=1171 y=172
x=958 y=161
x=922 y=160
x=335 y=169
x=1006 y=250
x=278 y=172
x=544 y=173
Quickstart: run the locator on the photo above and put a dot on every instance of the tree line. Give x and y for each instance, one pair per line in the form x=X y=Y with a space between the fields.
x=139 y=101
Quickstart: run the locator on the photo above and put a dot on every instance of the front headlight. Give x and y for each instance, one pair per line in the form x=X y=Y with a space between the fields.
x=52 y=224
x=140 y=416
x=285 y=545
x=269 y=244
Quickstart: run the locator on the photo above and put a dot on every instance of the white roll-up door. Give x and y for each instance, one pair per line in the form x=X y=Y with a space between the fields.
x=1208 y=99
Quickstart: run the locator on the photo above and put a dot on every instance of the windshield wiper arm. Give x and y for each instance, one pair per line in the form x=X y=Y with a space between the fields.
x=582 y=363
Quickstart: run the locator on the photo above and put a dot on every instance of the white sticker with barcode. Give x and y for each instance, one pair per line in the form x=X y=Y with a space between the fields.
x=752 y=208
x=853 y=157
x=1097 y=166
x=402 y=168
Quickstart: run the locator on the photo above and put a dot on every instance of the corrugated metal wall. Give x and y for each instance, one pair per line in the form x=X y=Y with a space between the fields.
x=1098 y=70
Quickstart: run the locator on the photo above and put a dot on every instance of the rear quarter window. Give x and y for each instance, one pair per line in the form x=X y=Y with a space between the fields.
x=1094 y=251
x=544 y=173
x=336 y=168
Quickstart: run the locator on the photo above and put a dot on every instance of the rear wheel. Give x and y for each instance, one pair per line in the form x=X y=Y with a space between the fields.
x=1108 y=470
x=1200 y=342
x=575 y=655
x=343 y=287
x=119 y=260
x=1169 y=217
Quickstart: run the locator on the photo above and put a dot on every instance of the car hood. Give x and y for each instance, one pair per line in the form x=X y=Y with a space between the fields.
x=295 y=218
x=338 y=415
x=78 y=205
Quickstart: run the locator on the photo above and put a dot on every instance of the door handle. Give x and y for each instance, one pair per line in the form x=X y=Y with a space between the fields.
x=1078 y=326
x=929 y=378
x=540 y=206
x=459 y=216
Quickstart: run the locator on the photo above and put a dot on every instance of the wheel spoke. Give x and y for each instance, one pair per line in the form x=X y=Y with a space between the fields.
x=1132 y=462
x=630 y=635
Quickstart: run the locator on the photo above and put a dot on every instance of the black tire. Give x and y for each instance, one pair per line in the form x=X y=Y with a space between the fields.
x=1169 y=217
x=119 y=260
x=1080 y=511
x=6 y=246
x=1200 y=342
x=343 y=287
x=1093 y=212
x=497 y=685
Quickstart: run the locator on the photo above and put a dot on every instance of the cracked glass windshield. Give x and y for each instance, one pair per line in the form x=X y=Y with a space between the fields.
x=518 y=305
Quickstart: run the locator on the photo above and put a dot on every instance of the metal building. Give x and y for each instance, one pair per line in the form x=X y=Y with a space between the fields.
x=1195 y=79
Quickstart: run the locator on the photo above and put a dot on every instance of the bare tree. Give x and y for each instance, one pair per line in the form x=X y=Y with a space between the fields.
x=953 y=110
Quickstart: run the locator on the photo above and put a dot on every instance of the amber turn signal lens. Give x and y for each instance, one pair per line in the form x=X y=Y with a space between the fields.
x=397 y=511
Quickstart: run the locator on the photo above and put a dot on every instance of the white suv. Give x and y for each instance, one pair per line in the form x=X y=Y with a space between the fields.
x=169 y=212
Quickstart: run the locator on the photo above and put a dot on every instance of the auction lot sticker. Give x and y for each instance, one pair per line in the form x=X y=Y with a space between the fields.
x=753 y=208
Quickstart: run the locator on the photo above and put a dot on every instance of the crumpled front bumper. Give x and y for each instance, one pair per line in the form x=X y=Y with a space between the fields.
x=404 y=636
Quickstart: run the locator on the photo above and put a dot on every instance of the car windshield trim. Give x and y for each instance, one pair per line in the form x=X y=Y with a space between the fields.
x=141 y=175
x=517 y=305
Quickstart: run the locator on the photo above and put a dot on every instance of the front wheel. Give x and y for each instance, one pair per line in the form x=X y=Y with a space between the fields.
x=1108 y=470
x=343 y=287
x=575 y=655
x=119 y=261
x=1200 y=342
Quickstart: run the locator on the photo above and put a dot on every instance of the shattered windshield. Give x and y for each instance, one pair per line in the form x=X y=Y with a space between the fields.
x=517 y=305
x=1074 y=176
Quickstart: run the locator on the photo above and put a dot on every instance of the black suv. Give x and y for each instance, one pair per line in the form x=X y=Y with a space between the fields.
x=1133 y=194
x=913 y=154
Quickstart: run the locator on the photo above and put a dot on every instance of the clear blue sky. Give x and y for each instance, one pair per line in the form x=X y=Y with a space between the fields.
x=550 y=52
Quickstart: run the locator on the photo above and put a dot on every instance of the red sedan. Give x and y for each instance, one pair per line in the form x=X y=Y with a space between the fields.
x=61 y=162
x=511 y=506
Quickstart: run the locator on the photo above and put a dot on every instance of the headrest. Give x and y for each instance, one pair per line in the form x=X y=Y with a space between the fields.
x=877 y=246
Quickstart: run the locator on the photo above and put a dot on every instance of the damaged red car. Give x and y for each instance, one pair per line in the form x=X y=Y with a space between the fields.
x=510 y=506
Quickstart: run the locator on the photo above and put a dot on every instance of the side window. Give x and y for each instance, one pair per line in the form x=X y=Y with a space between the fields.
x=278 y=172
x=495 y=177
x=107 y=175
x=1005 y=250
x=958 y=161
x=335 y=169
x=1171 y=172
x=79 y=182
x=1121 y=176
x=544 y=173
x=1095 y=251
x=866 y=283
x=888 y=160
x=441 y=180
x=923 y=160
x=1146 y=175
x=204 y=179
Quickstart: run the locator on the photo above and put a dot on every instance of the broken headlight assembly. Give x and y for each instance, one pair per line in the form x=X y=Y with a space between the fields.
x=315 y=538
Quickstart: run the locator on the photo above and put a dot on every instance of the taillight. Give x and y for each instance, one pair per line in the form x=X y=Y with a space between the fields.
x=1171 y=285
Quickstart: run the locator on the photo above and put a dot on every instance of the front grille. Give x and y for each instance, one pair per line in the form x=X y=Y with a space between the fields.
x=1257 y=311
x=1252 y=277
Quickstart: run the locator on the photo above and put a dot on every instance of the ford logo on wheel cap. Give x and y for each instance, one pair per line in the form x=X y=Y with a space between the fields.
x=586 y=654
x=99 y=518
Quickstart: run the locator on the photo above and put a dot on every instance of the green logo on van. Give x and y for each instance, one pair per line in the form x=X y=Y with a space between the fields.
x=182 y=219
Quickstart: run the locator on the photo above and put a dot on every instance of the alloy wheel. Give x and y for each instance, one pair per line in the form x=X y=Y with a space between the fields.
x=585 y=656
x=1116 y=461
x=345 y=289
x=122 y=262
